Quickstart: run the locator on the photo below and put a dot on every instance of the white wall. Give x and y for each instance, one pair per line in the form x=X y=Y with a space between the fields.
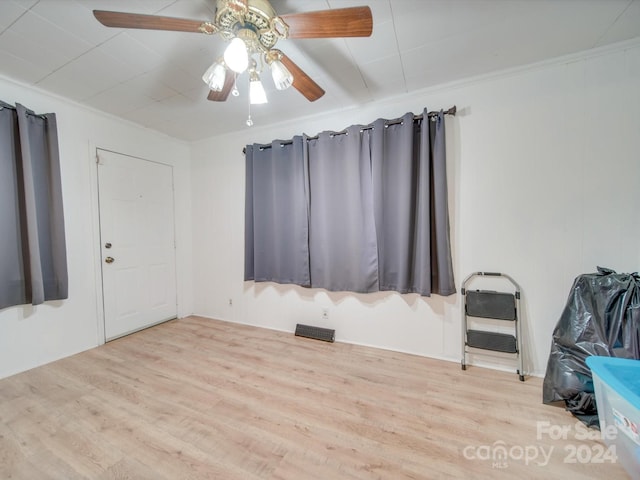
x=543 y=171
x=31 y=336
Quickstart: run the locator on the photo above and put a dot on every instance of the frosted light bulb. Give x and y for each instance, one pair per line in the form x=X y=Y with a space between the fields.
x=282 y=77
x=236 y=56
x=215 y=76
x=257 y=95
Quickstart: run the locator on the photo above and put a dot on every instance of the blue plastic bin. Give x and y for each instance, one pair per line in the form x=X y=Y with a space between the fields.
x=616 y=383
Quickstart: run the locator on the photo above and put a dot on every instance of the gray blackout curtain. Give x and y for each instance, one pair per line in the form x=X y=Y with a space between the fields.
x=33 y=262
x=361 y=210
x=277 y=242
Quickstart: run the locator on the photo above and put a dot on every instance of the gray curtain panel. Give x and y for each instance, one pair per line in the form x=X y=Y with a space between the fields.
x=342 y=238
x=277 y=213
x=401 y=193
x=33 y=262
x=12 y=260
x=442 y=281
x=370 y=202
x=409 y=178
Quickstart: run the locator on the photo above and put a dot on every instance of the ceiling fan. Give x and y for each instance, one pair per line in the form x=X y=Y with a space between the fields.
x=252 y=29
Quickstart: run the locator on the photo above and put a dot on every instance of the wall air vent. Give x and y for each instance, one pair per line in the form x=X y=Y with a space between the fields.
x=324 y=334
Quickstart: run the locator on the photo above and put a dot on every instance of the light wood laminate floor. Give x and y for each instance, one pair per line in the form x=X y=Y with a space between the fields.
x=198 y=398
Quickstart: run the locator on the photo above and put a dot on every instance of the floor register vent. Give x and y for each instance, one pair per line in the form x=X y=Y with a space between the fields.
x=324 y=334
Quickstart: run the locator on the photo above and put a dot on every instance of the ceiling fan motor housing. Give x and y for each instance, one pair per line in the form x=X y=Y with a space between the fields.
x=234 y=16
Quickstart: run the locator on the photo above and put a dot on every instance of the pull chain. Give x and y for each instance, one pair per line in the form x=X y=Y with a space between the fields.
x=235 y=92
x=249 y=121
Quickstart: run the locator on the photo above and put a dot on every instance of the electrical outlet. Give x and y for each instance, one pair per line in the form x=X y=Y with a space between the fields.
x=325 y=314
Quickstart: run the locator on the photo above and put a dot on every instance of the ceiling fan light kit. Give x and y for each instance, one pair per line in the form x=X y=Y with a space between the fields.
x=252 y=29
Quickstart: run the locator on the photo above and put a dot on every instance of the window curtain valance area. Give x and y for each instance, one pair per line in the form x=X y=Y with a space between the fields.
x=361 y=210
x=33 y=262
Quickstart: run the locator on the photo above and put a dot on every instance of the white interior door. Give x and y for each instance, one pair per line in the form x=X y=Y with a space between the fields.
x=137 y=243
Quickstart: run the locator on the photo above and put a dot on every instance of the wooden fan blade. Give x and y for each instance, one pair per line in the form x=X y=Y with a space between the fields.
x=152 y=22
x=222 y=95
x=301 y=81
x=340 y=22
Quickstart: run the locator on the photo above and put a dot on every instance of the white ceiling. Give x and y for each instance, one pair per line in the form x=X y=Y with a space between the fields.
x=154 y=77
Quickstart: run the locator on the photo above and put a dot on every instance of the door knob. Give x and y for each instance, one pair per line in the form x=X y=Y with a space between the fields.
x=109 y=259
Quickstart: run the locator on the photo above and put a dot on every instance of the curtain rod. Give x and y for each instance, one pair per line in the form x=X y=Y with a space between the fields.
x=29 y=112
x=451 y=111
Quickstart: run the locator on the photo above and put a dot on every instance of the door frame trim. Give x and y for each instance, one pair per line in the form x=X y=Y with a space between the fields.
x=97 y=251
x=96 y=237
